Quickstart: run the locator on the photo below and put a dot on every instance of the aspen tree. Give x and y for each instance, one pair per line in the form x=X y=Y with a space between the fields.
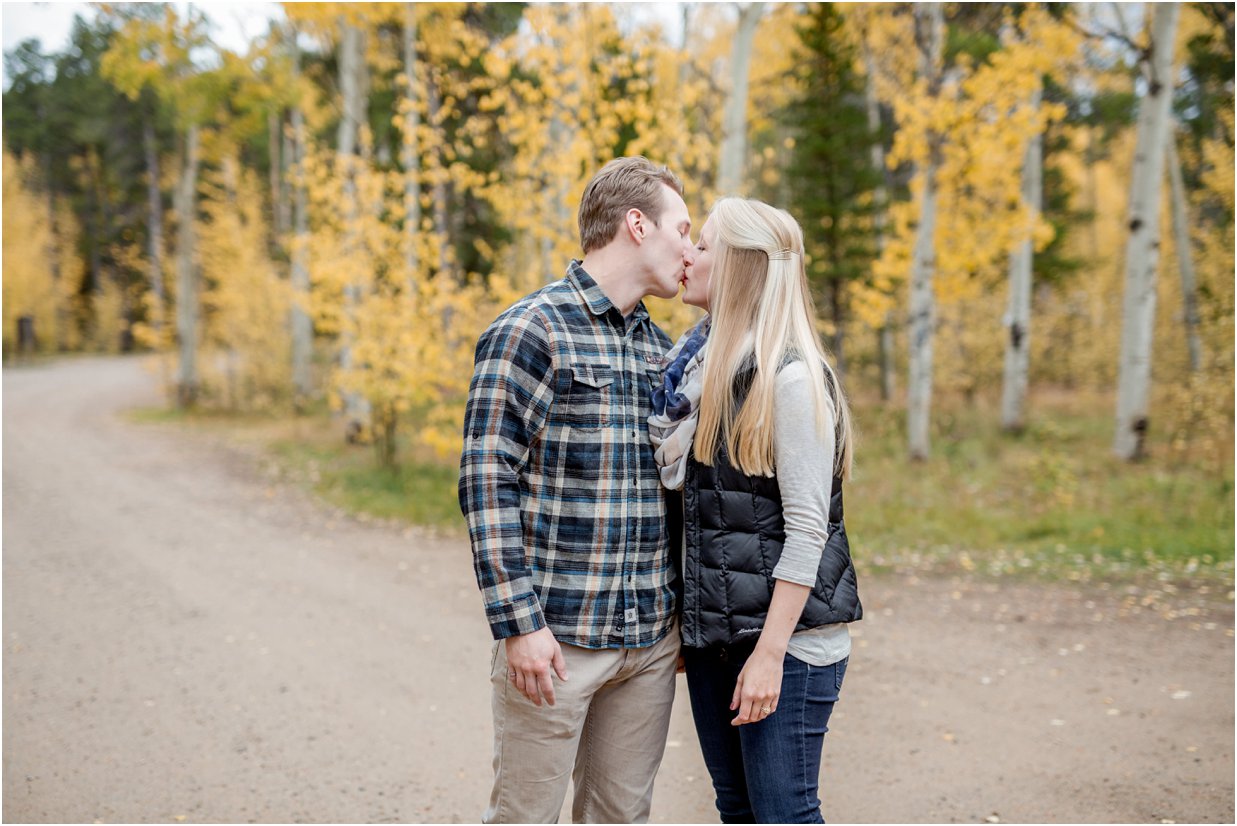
x=353 y=86
x=301 y=321
x=734 y=125
x=155 y=229
x=543 y=77
x=1017 y=318
x=1185 y=256
x=187 y=292
x=1142 y=247
x=409 y=154
x=929 y=33
x=246 y=303
x=155 y=54
x=970 y=128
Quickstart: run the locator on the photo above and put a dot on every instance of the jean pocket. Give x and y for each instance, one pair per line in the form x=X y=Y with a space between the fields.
x=839 y=672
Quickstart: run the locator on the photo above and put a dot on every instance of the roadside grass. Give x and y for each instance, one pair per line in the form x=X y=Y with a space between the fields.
x=309 y=451
x=1050 y=503
x=421 y=492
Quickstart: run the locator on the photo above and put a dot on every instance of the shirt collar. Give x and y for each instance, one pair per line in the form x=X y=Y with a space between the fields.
x=598 y=302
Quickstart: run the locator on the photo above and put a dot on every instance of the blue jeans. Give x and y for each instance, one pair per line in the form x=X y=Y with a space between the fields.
x=764 y=772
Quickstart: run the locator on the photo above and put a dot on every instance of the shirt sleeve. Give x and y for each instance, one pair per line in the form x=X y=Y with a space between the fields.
x=804 y=458
x=509 y=399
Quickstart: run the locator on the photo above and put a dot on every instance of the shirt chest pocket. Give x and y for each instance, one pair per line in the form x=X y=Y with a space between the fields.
x=590 y=396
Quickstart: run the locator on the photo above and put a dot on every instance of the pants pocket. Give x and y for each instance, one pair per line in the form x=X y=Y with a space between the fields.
x=494 y=656
x=839 y=671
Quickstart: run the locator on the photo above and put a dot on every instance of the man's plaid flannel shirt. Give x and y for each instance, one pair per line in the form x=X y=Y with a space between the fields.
x=557 y=479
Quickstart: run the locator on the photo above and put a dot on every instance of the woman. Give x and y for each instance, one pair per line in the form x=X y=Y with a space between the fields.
x=751 y=422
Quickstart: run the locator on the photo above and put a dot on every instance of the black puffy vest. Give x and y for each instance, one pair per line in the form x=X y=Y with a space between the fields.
x=734 y=532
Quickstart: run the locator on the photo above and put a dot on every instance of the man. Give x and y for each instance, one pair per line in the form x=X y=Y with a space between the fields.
x=568 y=519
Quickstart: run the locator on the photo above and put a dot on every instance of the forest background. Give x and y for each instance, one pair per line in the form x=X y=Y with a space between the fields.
x=1018 y=218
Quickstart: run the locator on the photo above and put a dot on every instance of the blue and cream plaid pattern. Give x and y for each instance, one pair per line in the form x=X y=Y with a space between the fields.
x=557 y=479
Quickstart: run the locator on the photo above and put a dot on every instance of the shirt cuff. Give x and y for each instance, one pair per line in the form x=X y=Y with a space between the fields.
x=512 y=619
x=799 y=563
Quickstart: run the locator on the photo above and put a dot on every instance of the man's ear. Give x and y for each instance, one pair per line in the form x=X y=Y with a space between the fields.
x=636 y=225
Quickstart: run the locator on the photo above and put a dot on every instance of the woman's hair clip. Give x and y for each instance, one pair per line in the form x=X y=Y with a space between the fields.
x=782 y=254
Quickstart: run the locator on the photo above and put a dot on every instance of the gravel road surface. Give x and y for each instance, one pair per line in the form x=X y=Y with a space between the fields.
x=186 y=640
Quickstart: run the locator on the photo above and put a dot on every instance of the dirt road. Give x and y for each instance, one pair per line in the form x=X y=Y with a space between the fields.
x=183 y=639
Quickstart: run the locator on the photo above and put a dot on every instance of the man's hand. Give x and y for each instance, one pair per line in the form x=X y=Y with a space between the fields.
x=530 y=658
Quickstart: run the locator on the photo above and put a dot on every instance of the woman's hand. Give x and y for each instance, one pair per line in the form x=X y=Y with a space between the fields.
x=758 y=688
x=760 y=682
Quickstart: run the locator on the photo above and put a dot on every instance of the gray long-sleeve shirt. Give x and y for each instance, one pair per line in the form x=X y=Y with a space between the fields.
x=804 y=460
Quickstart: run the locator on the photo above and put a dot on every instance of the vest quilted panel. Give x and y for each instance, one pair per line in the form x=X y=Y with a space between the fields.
x=734 y=533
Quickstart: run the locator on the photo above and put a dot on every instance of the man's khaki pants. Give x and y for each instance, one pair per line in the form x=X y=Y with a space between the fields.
x=607 y=731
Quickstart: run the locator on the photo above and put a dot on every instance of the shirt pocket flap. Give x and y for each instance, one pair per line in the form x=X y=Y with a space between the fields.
x=594 y=375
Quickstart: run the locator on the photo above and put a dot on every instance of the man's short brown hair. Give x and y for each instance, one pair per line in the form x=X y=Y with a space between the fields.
x=622 y=184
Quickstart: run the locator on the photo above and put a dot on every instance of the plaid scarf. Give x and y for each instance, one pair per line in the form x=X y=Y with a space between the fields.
x=675 y=405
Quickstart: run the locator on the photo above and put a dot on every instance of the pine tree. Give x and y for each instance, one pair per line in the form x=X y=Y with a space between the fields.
x=830 y=175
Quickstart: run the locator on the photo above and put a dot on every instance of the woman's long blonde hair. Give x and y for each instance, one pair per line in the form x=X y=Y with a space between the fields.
x=762 y=313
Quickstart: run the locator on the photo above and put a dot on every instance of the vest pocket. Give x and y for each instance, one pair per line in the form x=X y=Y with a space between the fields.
x=588 y=400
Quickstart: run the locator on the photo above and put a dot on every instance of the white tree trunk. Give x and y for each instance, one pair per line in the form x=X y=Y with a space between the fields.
x=352 y=82
x=154 y=241
x=274 y=120
x=929 y=28
x=1142 y=251
x=881 y=197
x=288 y=165
x=556 y=197
x=433 y=103
x=1185 y=257
x=302 y=324
x=734 y=117
x=186 y=274
x=1021 y=271
x=410 y=155
x=922 y=321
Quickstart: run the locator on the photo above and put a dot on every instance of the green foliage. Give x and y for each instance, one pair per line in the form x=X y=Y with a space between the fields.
x=478 y=140
x=971 y=31
x=1053 y=264
x=1112 y=112
x=1208 y=88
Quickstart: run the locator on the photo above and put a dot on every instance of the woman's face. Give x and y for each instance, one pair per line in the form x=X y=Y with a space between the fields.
x=699 y=268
